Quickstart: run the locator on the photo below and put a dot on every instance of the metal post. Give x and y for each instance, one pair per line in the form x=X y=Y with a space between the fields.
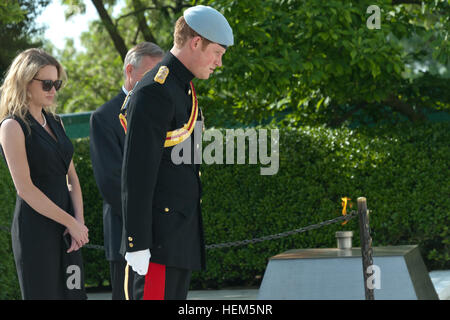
x=366 y=244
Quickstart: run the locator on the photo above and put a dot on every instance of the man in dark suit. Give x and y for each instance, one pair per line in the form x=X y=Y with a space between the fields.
x=107 y=139
x=163 y=236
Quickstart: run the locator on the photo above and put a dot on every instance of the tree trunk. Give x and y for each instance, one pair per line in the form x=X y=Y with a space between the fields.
x=337 y=122
x=117 y=39
x=404 y=109
x=142 y=23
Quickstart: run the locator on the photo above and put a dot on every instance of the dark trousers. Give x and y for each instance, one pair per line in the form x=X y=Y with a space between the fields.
x=162 y=283
x=117 y=269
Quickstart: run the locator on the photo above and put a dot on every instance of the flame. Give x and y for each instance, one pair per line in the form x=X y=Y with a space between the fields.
x=344 y=207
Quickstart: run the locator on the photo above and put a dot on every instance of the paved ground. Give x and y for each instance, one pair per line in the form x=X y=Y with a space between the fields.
x=441 y=282
x=440 y=279
x=226 y=294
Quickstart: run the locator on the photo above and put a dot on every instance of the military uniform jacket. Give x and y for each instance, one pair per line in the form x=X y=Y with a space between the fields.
x=160 y=199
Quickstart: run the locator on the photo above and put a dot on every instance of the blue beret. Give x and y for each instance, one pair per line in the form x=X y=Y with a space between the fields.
x=209 y=23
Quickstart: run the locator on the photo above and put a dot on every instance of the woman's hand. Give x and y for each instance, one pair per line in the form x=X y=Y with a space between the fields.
x=73 y=244
x=79 y=233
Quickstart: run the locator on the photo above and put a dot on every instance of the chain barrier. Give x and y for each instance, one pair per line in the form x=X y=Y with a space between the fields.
x=347 y=217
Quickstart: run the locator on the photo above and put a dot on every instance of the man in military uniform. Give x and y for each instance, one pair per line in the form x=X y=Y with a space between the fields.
x=163 y=237
x=107 y=140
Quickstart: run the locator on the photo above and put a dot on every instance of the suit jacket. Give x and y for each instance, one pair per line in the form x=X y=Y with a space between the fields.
x=106 y=145
x=161 y=200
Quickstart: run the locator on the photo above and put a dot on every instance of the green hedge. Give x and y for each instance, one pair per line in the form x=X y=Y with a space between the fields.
x=9 y=285
x=402 y=171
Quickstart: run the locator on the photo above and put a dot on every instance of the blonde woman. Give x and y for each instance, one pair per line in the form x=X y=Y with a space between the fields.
x=48 y=225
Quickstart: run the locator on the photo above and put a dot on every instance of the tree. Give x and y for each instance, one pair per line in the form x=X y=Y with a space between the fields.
x=17 y=29
x=317 y=62
x=95 y=75
x=306 y=62
x=140 y=13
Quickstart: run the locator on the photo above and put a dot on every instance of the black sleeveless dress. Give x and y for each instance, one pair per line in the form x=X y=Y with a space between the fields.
x=44 y=269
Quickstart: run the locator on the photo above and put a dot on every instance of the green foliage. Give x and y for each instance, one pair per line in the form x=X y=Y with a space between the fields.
x=294 y=62
x=17 y=28
x=95 y=76
x=310 y=62
x=10 y=12
x=9 y=284
x=96 y=266
x=402 y=171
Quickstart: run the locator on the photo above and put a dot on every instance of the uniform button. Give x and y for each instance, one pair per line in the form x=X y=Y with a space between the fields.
x=201 y=200
x=166 y=209
x=131 y=245
x=199 y=173
x=130 y=239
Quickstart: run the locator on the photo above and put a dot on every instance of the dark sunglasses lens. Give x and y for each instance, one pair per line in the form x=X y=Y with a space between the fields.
x=48 y=84
x=57 y=84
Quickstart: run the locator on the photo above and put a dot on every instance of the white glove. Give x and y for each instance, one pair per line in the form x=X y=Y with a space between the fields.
x=139 y=261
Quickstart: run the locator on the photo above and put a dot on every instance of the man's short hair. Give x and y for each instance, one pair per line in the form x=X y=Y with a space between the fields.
x=135 y=54
x=183 y=33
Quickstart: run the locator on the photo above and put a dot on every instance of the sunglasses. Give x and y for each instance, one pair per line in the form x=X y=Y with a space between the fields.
x=48 y=84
